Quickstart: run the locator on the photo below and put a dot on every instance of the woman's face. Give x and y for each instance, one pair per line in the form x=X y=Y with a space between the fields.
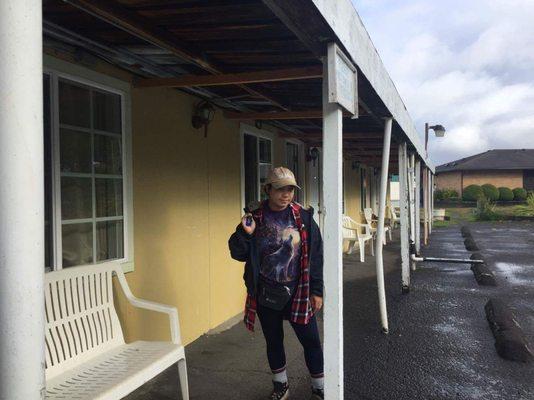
x=280 y=198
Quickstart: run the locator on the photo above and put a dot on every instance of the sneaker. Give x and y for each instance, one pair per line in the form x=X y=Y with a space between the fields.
x=280 y=391
x=317 y=394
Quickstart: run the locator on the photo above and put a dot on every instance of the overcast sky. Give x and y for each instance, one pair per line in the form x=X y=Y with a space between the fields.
x=465 y=64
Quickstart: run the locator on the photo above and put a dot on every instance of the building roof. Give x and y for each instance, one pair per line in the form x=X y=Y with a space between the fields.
x=492 y=159
x=162 y=42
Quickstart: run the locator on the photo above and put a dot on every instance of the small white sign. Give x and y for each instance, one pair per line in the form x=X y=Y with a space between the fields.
x=342 y=80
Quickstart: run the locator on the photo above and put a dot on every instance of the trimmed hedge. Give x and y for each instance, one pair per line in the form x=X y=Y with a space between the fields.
x=472 y=193
x=520 y=194
x=506 y=194
x=446 y=194
x=491 y=192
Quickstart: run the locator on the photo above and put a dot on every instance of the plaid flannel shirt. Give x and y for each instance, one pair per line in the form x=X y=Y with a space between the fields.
x=301 y=310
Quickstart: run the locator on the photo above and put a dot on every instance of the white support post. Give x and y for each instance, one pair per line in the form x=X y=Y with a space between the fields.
x=380 y=229
x=411 y=197
x=404 y=222
x=431 y=201
x=21 y=201
x=418 y=206
x=425 y=205
x=333 y=258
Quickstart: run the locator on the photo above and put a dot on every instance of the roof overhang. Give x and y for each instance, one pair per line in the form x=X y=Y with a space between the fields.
x=352 y=35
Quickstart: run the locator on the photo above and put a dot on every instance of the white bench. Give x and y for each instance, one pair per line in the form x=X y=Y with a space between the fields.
x=86 y=356
x=352 y=234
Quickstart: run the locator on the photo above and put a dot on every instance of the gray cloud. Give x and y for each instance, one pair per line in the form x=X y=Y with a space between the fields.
x=468 y=65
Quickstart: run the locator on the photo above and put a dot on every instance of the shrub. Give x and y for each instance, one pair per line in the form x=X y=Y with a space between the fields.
x=485 y=210
x=445 y=194
x=472 y=193
x=506 y=194
x=528 y=209
x=491 y=192
x=520 y=194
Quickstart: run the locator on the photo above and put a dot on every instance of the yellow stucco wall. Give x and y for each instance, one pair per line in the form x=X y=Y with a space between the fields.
x=351 y=180
x=186 y=204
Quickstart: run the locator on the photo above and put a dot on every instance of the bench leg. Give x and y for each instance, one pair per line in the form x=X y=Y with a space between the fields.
x=389 y=231
x=362 y=250
x=372 y=246
x=182 y=372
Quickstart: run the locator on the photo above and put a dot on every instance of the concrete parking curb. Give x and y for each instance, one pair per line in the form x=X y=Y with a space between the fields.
x=483 y=275
x=510 y=341
x=470 y=244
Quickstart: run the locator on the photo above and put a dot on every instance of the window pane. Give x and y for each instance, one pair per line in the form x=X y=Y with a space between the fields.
x=47 y=131
x=74 y=105
x=108 y=197
x=251 y=168
x=76 y=198
x=77 y=244
x=264 y=171
x=108 y=155
x=110 y=243
x=75 y=151
x=265 y=151
x=107 y=112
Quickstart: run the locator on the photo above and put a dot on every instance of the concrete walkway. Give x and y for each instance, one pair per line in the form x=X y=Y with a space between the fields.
x=439 y=346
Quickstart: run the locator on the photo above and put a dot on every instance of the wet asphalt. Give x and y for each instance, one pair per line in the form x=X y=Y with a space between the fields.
x=439 y=346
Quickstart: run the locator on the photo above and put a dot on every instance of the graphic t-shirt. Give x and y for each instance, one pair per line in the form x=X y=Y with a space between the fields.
x=279 y=246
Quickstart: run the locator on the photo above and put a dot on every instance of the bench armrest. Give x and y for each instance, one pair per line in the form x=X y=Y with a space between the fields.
x=172 y=312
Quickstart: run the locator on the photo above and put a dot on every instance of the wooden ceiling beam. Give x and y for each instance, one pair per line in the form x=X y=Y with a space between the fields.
x=277 y=115
x=235 y=79
x=141 y=27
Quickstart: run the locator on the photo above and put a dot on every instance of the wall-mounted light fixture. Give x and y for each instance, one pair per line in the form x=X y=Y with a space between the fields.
x=202 y=116
x=313 y=155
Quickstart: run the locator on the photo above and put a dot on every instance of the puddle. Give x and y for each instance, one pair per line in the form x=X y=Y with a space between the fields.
x=515 y=273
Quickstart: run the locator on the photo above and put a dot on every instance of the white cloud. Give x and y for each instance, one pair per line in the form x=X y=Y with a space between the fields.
x=468 y=65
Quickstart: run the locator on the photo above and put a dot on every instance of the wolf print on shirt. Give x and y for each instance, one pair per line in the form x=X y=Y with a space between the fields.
x=279 y=246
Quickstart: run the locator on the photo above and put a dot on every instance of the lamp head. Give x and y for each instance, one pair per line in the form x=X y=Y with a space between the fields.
x=439 y=130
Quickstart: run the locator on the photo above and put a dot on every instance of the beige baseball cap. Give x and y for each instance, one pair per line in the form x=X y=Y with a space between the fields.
x=279 y=177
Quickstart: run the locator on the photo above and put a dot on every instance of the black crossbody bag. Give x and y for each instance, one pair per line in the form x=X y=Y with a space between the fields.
x=273 y=295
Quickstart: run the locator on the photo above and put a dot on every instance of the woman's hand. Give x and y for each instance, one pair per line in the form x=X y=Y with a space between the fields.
x=248 y=229
x=316 y=302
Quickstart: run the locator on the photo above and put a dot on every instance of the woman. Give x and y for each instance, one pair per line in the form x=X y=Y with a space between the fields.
x=282 y=247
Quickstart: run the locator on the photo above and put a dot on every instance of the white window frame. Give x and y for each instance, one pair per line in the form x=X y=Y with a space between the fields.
x=59 y=69
x=245 y=129
x=301 y=173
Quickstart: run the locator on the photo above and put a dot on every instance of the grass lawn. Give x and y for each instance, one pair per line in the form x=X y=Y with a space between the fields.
x=457 y=216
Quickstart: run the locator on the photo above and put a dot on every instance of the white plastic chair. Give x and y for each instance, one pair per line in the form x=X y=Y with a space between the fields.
x=352 y=234
x=86 y=356
x=368 y=214
x=395 y=219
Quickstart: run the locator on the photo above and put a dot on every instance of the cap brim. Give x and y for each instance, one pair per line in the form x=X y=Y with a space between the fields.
x=282 y=183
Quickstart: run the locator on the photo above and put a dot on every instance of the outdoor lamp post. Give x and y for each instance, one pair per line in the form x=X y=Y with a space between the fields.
x=439 y=131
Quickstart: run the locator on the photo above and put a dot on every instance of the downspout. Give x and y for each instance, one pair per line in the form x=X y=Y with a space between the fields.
x=380 y=230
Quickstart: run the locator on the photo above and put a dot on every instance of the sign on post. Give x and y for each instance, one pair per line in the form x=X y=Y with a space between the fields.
x=342 y=80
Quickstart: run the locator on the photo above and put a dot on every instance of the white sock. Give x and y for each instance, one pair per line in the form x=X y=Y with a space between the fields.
x=317 y=383
x=280 y=376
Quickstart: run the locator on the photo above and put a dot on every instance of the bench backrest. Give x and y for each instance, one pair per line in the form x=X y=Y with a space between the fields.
x=81 y=321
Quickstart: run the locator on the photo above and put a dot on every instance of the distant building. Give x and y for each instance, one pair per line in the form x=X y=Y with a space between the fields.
x=508 y=168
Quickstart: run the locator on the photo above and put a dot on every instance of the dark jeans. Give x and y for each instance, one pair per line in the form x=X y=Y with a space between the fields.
x=308 y=336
